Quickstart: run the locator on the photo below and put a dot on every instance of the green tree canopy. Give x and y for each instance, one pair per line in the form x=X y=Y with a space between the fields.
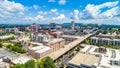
x=30 y=64
x=78 y=48
x=1 y=45
x=63 y=64
x=17 y=66
x=48 y=62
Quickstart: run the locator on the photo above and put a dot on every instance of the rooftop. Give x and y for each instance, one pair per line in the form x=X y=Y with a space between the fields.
x=5 y=53
x=43 y=50
x=38 y=47
x=20 y=60
x=1 y=31
x=94 y=37
x=104 y=62
x=85 y=59
x=116 y=39
x=55 y=40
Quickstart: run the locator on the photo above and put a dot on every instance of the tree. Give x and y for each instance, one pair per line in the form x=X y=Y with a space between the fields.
x=78 y=48
x=31 y=37
x=87 y=41
x=39 y=64
x=17 y=66
x=30 y=64
x=9 y=45
x=48 y=62
x=26 y=33
x=18 y=44
x=35 y=45
x=63 y=64
x=1 y=45
x=1 y=40
x=22 y=50
x=72 y=54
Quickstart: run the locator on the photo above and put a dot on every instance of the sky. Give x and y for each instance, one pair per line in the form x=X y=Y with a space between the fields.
x=60 y=11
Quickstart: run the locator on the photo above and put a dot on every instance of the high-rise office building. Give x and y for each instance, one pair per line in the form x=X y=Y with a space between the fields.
x=33 y=28
x=72 y=25
x=53 y=25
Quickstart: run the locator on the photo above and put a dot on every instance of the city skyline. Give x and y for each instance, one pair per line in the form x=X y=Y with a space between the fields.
x=59 y=11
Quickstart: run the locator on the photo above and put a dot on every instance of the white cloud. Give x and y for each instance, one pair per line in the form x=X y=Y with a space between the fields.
x=34 y=19
x=95 y=11
x=111 y=13
x=104 y=13
x=42 y=12
x=21 y=13
x=60 y=17
x=115 y=21
x=8 y=9
x=75 y=14
x=12 y=6
x=54 y=11
x=62 y=2
x=51 y=0
x=35 y=7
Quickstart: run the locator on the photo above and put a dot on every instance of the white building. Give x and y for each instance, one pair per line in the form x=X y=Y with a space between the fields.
x=105 y=41
x=116 y=42
x=20 y=60
x=73 y=25
x=6 y=36
x=11 y=29
x=94 y=39
x=90 y=58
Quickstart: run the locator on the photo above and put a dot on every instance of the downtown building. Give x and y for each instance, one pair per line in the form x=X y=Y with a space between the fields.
x=39 y=51
x=11 y=30
x=105 y=41
x=33 y=29
x=53 y=41
x=116 y=42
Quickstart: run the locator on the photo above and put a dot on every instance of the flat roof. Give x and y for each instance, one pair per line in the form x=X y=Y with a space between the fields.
x=21 y=60
x=71 y=36
x=94 y=37
x=86 y=59
x=6 y=36
x=40 y=44
x=104 y=60
x=5 y=53
x=55 y=40
x=116 y=39
x=58 y=32
x=86 y=48
x=43 y=50
x=43 y=35
x=37 y=47
x=106 y=38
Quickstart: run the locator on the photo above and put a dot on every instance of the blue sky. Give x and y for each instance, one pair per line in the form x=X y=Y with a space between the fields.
x=60 y=11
